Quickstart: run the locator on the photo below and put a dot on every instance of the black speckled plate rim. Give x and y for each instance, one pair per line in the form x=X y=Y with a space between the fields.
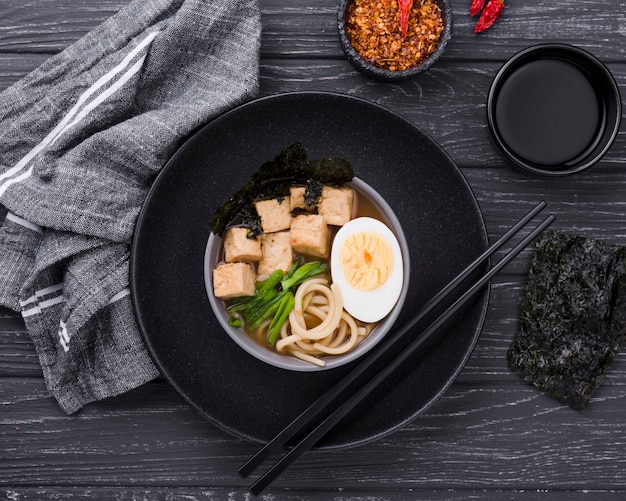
x=227 y=386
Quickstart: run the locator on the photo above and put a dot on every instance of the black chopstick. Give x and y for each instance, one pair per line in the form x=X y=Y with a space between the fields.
x=368 y=362
x=323 y=402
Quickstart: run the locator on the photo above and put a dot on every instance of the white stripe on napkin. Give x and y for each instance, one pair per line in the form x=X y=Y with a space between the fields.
x=41 y=293
x=42 y=305
x=22 y=222
x=64 y=337
x=66 y=123
x=120 y=295
x=35 y=310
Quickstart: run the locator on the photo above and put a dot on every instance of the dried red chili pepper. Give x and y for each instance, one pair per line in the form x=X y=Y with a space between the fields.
x=405 y=9
x=476 y=7
x=492 y=11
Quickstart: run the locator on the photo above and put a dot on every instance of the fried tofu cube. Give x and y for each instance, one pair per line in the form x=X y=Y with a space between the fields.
x=233 y=280
x=335 y=205
x=275 y=214
x=310 y=235
x=238 y=247
x=277 y=253
x=296 y=199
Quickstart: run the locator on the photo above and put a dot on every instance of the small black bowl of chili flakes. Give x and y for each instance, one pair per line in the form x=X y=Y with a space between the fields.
x=393 y=40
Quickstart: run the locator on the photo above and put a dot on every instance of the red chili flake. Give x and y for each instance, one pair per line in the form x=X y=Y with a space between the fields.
x=476 y=7
x=492 y=11
x=405 y=9
x=373 y=28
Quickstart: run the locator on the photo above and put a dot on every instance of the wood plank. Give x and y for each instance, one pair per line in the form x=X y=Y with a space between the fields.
x=17 y=352
x=208 y=493
x=48 y=27
x=476 y=435
x=14 y=67
x=303 y=31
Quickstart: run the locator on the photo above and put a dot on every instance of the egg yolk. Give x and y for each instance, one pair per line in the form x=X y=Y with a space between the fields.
x=366 y=260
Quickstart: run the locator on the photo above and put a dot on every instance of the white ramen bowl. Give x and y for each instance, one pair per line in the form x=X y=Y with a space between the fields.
x=289 y=362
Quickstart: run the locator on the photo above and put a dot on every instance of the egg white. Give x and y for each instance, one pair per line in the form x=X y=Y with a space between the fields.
x=372 y=305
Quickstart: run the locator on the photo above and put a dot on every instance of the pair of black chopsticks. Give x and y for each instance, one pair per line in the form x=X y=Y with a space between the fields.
x=321 y=406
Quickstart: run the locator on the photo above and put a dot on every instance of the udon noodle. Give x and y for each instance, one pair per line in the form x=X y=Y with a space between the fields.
x=318 y=324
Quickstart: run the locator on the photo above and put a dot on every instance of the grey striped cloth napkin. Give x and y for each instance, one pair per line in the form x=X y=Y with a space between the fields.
x=81 y=139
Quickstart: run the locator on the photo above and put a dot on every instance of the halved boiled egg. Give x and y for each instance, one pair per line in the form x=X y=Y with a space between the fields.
x=366 y=264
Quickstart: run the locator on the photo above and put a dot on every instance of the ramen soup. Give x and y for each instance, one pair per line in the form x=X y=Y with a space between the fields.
x=319 y=277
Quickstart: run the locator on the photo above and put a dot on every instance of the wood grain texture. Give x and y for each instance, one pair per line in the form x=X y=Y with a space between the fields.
x=491 y=436
x=302 y=30
x=478 y=435
x=207 y=493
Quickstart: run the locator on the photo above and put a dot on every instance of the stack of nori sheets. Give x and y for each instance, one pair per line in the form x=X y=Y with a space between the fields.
x=573 y=316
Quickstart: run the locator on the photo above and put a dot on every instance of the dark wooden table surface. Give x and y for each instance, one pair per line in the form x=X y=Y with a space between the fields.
x=490 y=437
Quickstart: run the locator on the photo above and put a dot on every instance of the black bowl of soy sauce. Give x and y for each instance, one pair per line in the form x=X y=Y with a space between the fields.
x=554 y=109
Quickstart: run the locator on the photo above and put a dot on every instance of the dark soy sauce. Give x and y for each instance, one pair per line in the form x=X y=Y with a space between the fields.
x=548 y=112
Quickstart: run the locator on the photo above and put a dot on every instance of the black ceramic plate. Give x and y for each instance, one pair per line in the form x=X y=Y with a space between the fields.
x=439 y=214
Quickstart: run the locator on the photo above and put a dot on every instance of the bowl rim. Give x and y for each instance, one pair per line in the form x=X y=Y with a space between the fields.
x=580 y=58
x=289 y=362
x=387 y=75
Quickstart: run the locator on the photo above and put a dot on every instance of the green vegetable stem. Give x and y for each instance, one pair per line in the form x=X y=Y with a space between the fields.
x=273 y=298
x=286 y=305
x=301 y=272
